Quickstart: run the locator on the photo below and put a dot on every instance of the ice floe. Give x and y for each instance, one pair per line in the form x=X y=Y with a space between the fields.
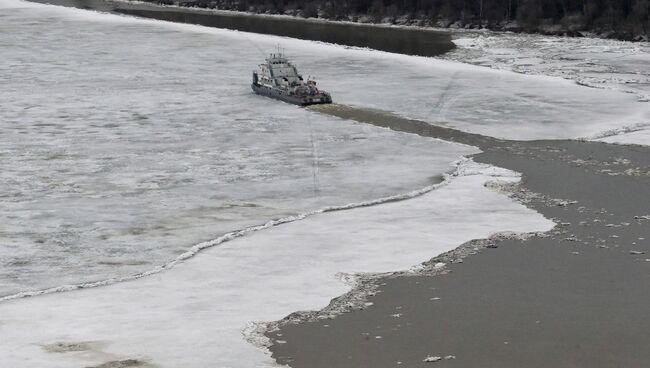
x=591 y=62
x=119 y=156
x=195 y=314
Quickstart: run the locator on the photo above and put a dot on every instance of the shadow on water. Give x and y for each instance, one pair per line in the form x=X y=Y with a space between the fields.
x=409 y=41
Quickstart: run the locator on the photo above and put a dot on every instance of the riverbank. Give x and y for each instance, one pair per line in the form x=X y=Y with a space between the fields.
x=631 y=27
x=408 y=41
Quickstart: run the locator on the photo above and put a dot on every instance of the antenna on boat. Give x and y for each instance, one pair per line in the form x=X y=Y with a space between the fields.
x=279 y=50
x=254 y=44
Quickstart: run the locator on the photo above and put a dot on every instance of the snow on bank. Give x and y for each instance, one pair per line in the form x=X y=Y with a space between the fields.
x=194 y=315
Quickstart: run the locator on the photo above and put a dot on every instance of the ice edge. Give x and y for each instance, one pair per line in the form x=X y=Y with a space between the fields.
x=194 y=250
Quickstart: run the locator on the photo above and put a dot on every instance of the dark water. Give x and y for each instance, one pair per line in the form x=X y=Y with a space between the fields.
x=395 y=122
x=576 y=297
x=411 y=41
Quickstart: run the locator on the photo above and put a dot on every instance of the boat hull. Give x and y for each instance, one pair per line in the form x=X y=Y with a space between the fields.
x=296 y=100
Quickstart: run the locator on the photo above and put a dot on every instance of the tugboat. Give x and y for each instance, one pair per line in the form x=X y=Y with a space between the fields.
x=279 y=79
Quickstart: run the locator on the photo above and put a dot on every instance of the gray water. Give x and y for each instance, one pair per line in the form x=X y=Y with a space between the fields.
x=573 y=297
x=409 y=41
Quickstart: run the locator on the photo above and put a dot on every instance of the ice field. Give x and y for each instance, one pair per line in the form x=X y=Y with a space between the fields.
x=117 y=159
x=125 y=142
x=597 y=63
x=202 y=312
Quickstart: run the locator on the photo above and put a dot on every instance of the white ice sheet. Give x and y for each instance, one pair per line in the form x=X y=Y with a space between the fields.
x=124 y=142
x=195 y=314
x=597 y=63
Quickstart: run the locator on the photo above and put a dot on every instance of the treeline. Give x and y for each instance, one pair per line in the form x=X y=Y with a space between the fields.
x=624 y=19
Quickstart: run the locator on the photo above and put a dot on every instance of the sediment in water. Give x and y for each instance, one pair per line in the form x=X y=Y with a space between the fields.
x=573 y=297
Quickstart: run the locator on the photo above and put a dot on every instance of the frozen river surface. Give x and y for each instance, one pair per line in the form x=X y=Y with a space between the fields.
x=597 y=63
x=124 y=143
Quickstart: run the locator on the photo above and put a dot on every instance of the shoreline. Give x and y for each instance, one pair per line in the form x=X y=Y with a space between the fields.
x=198 y=248
x=238 y=13
x=401 y=40
x=416 y=23
x=494 y=302
x=152 y=307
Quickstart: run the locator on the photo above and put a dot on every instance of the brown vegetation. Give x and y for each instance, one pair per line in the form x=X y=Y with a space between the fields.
x=624 y=19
